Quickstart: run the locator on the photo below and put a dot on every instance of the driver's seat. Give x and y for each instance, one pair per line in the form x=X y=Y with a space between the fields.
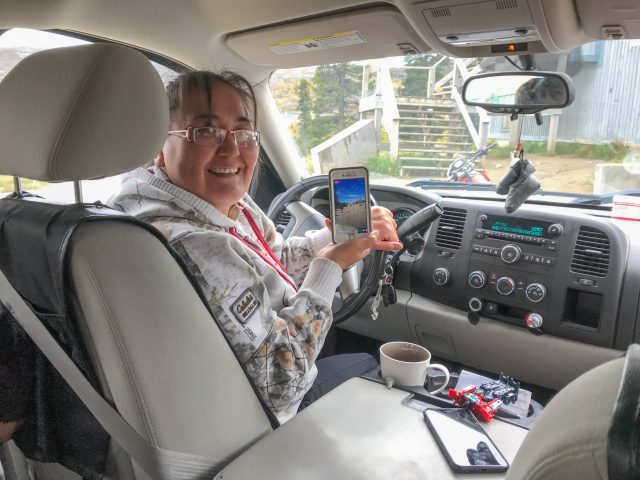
x=98 y=110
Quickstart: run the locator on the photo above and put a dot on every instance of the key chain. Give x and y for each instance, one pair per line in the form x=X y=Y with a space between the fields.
x=385 y=279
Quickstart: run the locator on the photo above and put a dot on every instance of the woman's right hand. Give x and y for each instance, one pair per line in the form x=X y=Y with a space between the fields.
x=7 y=429
x=349 y=252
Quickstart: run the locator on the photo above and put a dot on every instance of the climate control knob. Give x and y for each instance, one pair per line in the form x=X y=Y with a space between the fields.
x=536 y=292
x=510 y=253
x=441 y=276
x=534 y=320
x=477 y=279
x=506 y=285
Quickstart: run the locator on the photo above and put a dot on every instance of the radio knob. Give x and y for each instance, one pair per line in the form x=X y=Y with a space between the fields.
x=555 y=230
x=477 y=279
x=510 y=253
x=534 y=320
x=536 y=292
x=506 y=285
x=441 y=276
x=475 y=304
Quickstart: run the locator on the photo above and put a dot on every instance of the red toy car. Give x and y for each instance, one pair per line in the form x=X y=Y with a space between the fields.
x=483 y=401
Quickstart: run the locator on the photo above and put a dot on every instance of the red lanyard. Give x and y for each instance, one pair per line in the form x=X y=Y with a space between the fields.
x=262 y=248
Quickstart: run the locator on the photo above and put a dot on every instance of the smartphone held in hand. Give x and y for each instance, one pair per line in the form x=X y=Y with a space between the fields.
x=350 y=203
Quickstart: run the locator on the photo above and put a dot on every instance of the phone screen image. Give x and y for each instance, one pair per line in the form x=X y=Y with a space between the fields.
x=350 y=204
x=464 y=442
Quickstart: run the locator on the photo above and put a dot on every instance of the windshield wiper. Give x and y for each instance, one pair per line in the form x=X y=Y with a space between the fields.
x=604 y=198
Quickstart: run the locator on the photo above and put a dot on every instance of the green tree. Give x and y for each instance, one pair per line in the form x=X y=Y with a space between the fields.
x=415 y=82
x=326 y=104
x=337 y=93
x=304 y=126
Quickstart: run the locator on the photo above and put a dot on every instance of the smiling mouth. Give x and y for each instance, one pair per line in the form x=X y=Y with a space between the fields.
x=224 y=171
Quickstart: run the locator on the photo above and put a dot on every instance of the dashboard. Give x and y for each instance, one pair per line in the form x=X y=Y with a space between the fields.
x=550 y=271
x=544 y=294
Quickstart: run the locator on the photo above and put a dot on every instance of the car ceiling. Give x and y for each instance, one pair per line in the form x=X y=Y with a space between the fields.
x=196 y=32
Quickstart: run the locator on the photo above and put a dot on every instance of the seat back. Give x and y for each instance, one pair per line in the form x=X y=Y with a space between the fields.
x=590 y=429
x=97 y=110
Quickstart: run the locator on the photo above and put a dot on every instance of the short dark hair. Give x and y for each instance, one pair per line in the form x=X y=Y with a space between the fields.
x=181 y=86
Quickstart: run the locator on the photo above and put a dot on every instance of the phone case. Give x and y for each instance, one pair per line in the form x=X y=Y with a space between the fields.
x=332 y=205
x=472 y=422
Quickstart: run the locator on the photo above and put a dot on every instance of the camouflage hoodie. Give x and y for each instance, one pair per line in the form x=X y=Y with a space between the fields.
x=275 y=331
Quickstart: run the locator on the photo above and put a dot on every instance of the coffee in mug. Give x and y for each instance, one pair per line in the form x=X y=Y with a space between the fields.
x=407 y=364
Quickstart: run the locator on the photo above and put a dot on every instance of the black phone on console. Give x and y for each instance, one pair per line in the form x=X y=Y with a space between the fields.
x=463 y=441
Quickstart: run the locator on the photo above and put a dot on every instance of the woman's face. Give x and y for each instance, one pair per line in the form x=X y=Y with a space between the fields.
x=219 y=174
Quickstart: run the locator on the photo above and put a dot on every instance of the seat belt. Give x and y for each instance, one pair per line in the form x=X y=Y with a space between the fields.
x=140 y=450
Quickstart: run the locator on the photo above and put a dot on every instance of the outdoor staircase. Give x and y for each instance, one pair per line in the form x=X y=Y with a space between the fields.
x=431 y=132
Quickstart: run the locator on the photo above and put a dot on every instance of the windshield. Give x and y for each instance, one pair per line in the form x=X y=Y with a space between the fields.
x=403 y=118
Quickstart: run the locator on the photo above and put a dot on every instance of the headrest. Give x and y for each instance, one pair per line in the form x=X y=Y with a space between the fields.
x=81 y=112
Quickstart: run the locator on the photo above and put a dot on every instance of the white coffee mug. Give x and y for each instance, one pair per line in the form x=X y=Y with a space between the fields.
x=407 y=364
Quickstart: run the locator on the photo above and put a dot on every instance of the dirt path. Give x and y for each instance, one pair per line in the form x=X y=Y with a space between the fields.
x=561 y=174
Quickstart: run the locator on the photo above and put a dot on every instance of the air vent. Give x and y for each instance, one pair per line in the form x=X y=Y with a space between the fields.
x=451 y=228
x=506 y=4
x=440 y=12
x=591 y=253
x=283 y=219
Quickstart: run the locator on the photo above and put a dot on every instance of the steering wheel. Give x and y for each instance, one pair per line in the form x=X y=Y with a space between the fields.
x=359 y=281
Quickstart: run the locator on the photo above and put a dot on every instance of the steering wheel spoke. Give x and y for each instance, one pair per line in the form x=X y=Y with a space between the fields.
x=351 y=281
x=303 y=219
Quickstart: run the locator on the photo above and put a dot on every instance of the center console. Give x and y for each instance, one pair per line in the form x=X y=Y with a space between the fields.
x=361 y=429
x=551 y=274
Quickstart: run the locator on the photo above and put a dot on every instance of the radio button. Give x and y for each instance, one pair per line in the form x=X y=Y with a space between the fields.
x=510 y=253
x=477 y=279
x=506 y=285
x=536 y=292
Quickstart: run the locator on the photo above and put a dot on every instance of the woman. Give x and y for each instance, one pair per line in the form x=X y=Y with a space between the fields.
x=271 y=298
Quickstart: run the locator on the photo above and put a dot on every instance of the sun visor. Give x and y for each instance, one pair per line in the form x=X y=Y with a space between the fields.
x=357 y=35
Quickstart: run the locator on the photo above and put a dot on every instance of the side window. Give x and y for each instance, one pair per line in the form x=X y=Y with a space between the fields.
x=18 y=43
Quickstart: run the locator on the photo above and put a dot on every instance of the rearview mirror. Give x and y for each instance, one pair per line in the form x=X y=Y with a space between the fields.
x=518 y=92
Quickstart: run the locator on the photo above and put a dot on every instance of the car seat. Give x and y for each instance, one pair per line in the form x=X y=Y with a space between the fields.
x=590 y=429
x=91 y=111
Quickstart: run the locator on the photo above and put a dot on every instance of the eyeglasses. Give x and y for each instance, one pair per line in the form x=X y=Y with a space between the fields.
x=211 y=136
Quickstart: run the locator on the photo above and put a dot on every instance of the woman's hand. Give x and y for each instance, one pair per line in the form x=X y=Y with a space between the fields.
x=7 y=429
x=383 y=237
x=382 y=220
x=349 y=252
